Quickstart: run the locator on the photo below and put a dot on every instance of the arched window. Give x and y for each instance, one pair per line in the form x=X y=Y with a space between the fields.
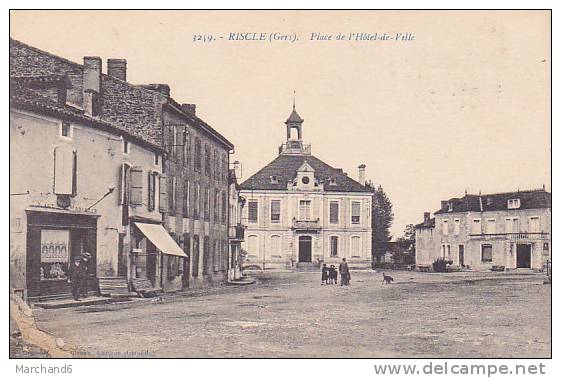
x=275 y=246
x=253 y=246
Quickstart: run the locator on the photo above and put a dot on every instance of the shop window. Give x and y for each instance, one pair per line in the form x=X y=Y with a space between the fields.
x=55 y=254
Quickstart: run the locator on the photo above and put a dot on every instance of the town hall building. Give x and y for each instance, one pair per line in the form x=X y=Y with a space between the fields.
x=302 y=212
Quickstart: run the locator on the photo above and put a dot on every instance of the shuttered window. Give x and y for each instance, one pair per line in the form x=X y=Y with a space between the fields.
x=186 y=198
x=65 y=170
x=163 y=194
x=136 y=186
x=275 y=246
x=355 y=212
x=152 y=178
x=252 y=211
x=275 y=211
x=355 y=246
x=334 y=212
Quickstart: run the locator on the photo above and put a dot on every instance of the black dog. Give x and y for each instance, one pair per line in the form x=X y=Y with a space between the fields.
x=387 y=279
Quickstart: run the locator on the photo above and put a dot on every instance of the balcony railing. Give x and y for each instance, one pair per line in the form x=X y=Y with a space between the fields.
x=237 y=232
x=295 y=146
x=305 y=224
x=513 y=236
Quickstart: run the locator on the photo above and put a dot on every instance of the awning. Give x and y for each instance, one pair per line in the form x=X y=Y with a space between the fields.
x=160 y=238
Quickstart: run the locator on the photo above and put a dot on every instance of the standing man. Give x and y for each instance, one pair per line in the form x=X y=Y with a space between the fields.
x=344 y=270
x=76 y=277
x=84 y=278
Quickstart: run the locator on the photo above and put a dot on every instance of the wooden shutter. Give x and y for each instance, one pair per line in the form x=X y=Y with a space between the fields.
x=136 y=186
x=63 y=162
x=151 y=191
x=74 y=173
x=163 y=194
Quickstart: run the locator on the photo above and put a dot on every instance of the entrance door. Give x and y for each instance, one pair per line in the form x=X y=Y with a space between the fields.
x=523 y=255
x=151 y=256
x=305 y=249
x=461 y=255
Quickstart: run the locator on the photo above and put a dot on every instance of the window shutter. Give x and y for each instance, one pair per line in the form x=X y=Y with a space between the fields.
x=63 y=157
x=151 y=191
x=163 y=194
x=74 y=173
x=136 y=186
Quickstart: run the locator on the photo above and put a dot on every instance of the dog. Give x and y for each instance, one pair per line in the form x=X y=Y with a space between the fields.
x=387 y=279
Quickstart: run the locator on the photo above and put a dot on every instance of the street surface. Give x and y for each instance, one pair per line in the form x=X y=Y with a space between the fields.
x=293 y=315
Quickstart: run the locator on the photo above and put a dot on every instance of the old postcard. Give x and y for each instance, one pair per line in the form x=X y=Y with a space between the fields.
x=282 y=183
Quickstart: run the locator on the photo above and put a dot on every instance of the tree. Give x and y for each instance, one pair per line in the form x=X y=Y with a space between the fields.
x=407 y=245
x=382 y=219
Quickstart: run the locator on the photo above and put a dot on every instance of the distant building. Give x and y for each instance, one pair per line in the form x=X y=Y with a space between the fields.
x=481 y=231
x=300 y=210
x=236 y=229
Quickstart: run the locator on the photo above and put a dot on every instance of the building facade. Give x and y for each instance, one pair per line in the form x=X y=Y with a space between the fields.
x=300 y=210
x=236 y=230
x=77 y=185
x=192 y=180
x=511 y=230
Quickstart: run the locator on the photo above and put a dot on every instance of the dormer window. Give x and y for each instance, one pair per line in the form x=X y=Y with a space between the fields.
x=274 y=179
x=514 y=203
x=332 y=181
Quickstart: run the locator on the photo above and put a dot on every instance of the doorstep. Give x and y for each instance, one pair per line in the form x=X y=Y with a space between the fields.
x=69 y=302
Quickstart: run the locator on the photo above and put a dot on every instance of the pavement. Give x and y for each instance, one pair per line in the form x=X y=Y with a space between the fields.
x=465 y=314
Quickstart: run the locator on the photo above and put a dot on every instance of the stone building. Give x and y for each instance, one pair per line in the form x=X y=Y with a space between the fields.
x=77 y=184
x=194 y=177
x=300 y=210
x=511 y=230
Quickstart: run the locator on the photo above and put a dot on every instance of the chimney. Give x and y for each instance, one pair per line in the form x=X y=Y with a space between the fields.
x=426 y=218
x=362 y=174
x=189 y=108
x=91 y=85
x=117 y=68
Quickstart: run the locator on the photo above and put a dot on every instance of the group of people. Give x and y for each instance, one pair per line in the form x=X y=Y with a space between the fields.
x=79 y=276
x=329 y=274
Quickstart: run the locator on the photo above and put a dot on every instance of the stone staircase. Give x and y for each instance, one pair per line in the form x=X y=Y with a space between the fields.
x=307 y=267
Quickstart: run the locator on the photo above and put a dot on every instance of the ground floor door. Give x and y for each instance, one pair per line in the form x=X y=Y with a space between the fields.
x=305 y=249
x=151 y=259
x=461 y=255
x=523 y=256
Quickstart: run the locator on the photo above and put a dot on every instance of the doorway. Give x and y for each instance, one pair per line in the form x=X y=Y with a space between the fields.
x=461 y=255
x=523 y=256
x=305 y=249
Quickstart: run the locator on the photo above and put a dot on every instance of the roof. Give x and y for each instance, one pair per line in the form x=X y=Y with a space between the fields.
x=431 y=223
x=294 y=117
x=284 y=167
x=529 y=199
x=25 y=98
x=132 y=107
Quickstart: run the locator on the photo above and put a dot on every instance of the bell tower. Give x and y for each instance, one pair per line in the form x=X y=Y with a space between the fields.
x=294 y=145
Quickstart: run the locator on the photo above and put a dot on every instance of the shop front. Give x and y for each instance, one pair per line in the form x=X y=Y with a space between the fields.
x=54 y=238
x=157 y=257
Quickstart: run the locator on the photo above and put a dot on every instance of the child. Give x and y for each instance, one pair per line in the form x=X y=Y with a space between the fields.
x=333 y=274
x=324 y=275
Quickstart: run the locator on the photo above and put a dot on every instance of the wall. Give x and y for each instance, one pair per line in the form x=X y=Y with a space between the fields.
x=33 y=138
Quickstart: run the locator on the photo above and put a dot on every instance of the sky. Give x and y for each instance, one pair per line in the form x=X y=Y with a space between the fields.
x=462 y=105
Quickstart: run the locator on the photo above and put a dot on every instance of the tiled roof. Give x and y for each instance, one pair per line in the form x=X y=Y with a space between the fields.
x=284 y=167
x=529 y=199
x=430 y=224
x=294 y=117
x=132 y=107
x=26 y=98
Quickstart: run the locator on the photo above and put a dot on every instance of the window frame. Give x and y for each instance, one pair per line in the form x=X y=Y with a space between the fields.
x=249 y=218
x=336 y=238
x=300 y=216
x=473 y=229
x=486 y=260
x=70 y=135
x=279 y=220
x=338 y=203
